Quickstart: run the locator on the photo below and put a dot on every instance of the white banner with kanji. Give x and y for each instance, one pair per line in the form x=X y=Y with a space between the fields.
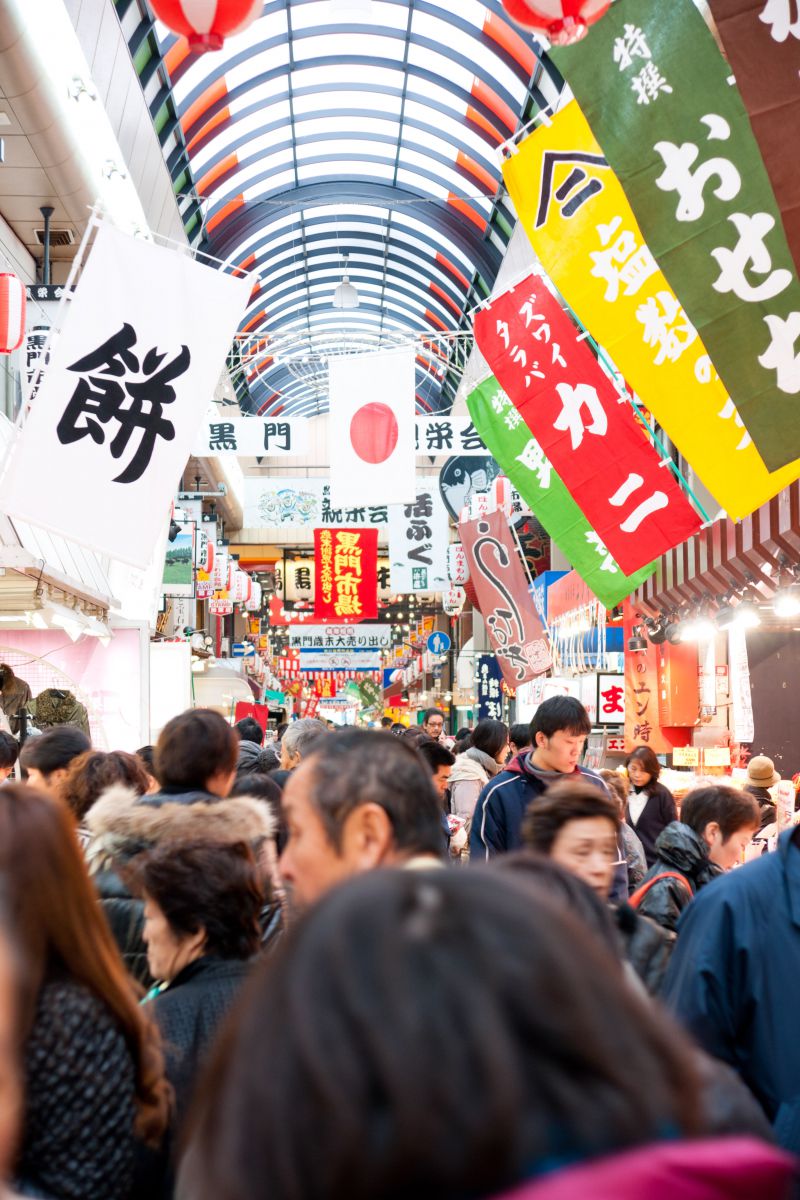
x=419 y=534
x=130 y=379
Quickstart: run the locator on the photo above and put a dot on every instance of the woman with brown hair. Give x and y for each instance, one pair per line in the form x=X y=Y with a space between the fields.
x=93 y=773
x=94 y=1078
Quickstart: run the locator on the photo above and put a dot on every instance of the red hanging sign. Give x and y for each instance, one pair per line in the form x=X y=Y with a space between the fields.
x=512 y=621
x=346 y=575
x=582 y=426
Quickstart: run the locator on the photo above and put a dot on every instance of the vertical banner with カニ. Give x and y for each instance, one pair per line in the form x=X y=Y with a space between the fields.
x=523 y=461
x=659 y=98
x=346 y=564
x=373 y=458
x=129 y=380
x=512 y=622
x=585 y=429
x=418 y=541
x=585 y=235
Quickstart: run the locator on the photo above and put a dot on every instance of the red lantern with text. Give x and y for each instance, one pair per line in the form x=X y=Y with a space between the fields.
x=206 y=23
x=561 y=21
x=12 y=312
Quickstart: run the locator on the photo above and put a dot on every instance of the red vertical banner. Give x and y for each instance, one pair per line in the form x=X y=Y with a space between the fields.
x=512 y=622
x=346 y=562
x=643 y=685
x=582 y=425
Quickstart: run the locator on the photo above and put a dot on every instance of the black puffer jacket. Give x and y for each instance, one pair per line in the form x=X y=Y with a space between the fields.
x=122 y=825
x=78 y=1133
x=681 y=851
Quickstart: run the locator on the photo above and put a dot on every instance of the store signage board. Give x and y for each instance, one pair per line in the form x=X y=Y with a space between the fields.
x=610 y=699
x=675 y=130
x=141 y=347
x=340 y=660
x=419 y=535
x=258 y=437
x=341 y=637
x=346 y=574
x=596 y=255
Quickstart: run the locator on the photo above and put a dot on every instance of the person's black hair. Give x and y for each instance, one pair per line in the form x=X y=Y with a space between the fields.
x=520 y=735
x=557 y=713
x=54 y=750
x=193 y=747
x=568 y=800
x=490 y=736
x=564 y=886
x=249 y=730
x=647 y=758
x=210 y=885
x=463 y=733
x=398 y=728
x=9 y=749
x=731 y=808
x=281 y=730
x=435 y=754
x=553 y=1059
x=431 y=712
x=147 y=754
x=257 y=784
x=386 y=722
x=362 y=766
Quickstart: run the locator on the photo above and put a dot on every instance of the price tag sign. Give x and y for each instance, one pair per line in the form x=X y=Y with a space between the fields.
x=685 y=756
x=717 y=756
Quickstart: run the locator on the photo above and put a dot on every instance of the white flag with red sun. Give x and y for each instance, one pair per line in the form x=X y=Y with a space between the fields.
x=372 y=428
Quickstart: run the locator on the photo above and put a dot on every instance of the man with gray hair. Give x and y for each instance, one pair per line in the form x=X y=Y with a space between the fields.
x=298 y=741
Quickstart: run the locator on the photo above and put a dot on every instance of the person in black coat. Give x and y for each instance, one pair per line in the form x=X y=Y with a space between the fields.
x=202 y=904
x=651 y=806
x=716 y=825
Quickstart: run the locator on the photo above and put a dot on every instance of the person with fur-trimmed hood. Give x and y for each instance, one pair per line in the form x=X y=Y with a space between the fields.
x=196 y=758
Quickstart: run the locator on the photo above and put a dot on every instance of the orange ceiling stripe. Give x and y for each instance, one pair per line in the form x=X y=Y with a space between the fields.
x=176 y=54
x=225 y=212
x=452 y=269
x=480 y=122
x=482 y=92
x=222 y=115
x=443 y=296
x=248 y=263
x=254 y=321
x=434 y=320
x=467 y=211
x=195 y=112
x=478 y=172
x=510 y=41
x=206 y=183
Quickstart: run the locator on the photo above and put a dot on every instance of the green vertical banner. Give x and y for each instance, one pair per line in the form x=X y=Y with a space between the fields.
x=522 y=460
x=663 y=105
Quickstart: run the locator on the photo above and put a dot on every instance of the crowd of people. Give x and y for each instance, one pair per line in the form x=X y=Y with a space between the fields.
x=367 y=964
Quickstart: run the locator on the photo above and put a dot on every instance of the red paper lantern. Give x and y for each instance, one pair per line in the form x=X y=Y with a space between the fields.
x=206 y=23
x=561 y=21
x=12 y=312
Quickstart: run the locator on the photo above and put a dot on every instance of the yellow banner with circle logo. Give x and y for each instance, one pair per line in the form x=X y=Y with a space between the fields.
x=585 y=235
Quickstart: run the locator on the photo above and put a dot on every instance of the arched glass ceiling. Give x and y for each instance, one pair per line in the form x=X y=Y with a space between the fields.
x=358 y=131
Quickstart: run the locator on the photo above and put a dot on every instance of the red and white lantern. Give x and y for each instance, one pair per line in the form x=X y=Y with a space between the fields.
x=240 y=585
x=12 y=312
x=206 y=23
x=481 y=504
x=254 y=602
x=457 y=569
x=453 y=601
x=561 y=21
x=501 y=495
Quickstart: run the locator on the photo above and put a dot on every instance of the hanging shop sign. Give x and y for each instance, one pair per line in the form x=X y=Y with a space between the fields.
x=573 y=410
x=12 y=312
x=294 y=579
x=449 y=435
x=346 y=565
x=512 y=622
x=341 y=637
x=579 y=422
x=643 y=688
x=595 y=254
x=418 y=540
x=370 y=693
x=371 y=441
x=488 y=694
x=457 y=569
x=530 y=471
x=257 y=437
x=760 y=39
x=178 y=578
x=657 y=94
x=219 y=575
x=742 y=722
x=304 y=503
x=340 y=660
x=610 y=699
x=325 y=685
x=461 y=478
x=142 y=343
x=220 y=605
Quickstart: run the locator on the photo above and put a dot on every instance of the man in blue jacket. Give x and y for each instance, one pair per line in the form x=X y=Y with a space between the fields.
x=558 y=735
x=734 y=979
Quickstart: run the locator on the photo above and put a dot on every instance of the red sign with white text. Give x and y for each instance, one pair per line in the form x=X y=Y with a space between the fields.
x=346 y=563
x=583 y=426
x=512 y=622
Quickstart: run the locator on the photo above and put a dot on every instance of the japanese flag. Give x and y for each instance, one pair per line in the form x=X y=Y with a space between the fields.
x=372 y=428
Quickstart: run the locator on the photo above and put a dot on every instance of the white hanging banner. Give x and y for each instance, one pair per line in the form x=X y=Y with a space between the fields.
x=742 y=724
x=265 y=437
x=129 y=381
x=419 y=534
x=372 y=399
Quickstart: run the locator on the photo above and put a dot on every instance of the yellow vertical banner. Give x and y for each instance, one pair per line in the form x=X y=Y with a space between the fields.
x=586 y=237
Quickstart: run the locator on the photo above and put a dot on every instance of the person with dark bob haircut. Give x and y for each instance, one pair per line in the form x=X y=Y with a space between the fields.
x=452 y=1034
x=559 y=729
x=480 y=762
x=94 y=772
x=651 y=806
x=9 y=753
x=45 y=759
x=361 y=800
x=196 y=752
x=716 y=824
x=249 y=730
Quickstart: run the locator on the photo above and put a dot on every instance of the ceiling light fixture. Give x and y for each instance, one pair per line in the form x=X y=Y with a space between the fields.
x=346 y=295
x=787 y=601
